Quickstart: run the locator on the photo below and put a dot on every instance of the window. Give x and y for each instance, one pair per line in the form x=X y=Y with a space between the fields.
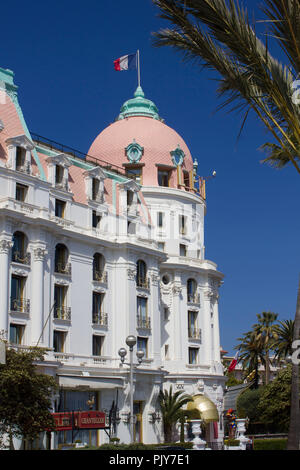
x=59 y=174
x=160 y=219
x=163 y=178
x=142 y=344
x=17 y=301
x=98 y=268
x=142 y=313
x=16 y=333
x=59 y=340
x=186 y=179
x=99 y=317
x=161 y=246
x=61 y=264
x=98 y=345
x=60 y=207
x=193 y=330
x=182 y=250
x=193 y=355
x=192 y=291
x=135 y=173
x=182 y=224
x=20 y=158
x=167 y=352
x=96 y=220
x=21 y=192
x=131 y=228
x=61 y=311
x=141 y=274
x=19 y=250
x=97 y=190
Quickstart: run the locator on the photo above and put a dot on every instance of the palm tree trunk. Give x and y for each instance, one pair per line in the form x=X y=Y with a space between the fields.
x=294 y=429
x=267 y=368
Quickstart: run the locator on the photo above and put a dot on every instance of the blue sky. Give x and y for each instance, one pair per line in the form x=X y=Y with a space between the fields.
x=62 y=54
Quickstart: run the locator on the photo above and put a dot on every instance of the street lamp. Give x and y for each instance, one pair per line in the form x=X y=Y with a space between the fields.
x=131 y=342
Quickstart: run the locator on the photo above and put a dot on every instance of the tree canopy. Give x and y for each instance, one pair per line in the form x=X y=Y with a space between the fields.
x=25 y=394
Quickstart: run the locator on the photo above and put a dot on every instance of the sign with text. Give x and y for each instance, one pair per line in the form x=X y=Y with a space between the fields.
x=79 y=420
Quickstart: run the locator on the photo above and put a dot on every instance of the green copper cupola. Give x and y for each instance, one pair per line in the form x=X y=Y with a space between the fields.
x=139 y=106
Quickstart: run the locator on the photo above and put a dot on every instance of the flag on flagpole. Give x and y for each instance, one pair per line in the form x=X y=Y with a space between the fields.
x=233 y=362
x=126 y=62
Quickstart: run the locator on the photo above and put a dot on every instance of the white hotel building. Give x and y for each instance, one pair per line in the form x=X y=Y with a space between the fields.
x=97 y=247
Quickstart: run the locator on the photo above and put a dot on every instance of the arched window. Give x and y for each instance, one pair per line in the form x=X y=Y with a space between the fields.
x=61 y=264
x=19 y=252
x=192 y=290
x=99 y=267
x=141 y=274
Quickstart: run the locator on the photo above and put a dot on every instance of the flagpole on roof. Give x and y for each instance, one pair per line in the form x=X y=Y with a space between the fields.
x=138 y=67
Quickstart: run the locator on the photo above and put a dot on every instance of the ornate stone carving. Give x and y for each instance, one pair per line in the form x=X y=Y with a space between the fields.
x=131 y=274
x=5 y=246
x=39 y=254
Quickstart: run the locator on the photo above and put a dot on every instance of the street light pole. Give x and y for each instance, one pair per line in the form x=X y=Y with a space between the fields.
x=131 y=342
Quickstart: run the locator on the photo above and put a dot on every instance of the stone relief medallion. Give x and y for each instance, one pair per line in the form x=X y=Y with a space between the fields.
x=134 y=152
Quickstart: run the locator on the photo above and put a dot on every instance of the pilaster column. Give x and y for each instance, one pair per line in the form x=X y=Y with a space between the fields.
x=37 y=297
x=5 y=246
x=207 y=336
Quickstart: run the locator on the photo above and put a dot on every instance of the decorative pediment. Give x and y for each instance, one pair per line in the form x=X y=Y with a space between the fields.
x=96 y=172
x=60 y=159
x=131 y=185
x=20 y=141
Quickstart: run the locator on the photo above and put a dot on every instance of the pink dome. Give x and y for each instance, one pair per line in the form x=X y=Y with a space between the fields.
x=156 y=139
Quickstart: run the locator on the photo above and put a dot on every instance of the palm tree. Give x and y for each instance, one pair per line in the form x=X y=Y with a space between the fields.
x=265 y=334
x=282 y=345
x=251 y=354
x=171 y=408
x=219 y=37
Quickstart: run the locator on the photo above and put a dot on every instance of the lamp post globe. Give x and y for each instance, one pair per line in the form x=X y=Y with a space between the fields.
x=131 y=341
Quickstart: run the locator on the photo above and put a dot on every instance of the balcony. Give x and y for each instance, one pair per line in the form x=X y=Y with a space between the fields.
x=21 y=257
x=63 y=268
x=194 y=333
x=62 y=313
x=143 y=282
x=144 y=323
x=20 y=305
x=100 y=276
x=193 y=298
x=100 y=319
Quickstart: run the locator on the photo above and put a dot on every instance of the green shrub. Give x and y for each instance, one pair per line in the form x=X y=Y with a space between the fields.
x=231 y=442
x=270 y=444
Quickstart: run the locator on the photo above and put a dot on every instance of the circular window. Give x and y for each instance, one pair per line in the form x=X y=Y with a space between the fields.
x=165 y=279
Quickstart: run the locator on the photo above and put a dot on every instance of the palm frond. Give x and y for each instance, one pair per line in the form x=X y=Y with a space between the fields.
x=219 y=37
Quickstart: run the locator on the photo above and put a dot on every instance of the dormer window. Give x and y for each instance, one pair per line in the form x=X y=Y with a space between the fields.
x=163 y=177
x=59 y=175
x=94 y=180
x=58 y=171
x=97 y=190
x=19 y=153
x=20 y=159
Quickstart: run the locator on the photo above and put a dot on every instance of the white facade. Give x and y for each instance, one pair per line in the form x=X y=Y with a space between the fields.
x=56 y=294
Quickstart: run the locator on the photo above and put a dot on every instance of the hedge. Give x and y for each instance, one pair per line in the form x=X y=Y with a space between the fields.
x=269 y=444
x=139 y=446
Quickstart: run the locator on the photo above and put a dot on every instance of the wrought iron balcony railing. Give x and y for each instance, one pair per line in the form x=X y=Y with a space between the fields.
x=63 y=268
x=193 y=298
x=143 y=282
x=62 y=313
x=143 y=322
x=194 y=333
x=21 y=257
x=100 y=319
x=20 y=305
x=100 y=276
